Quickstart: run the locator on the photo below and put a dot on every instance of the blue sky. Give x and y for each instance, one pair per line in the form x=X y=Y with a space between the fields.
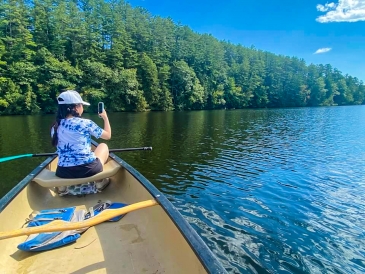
x=333 y=29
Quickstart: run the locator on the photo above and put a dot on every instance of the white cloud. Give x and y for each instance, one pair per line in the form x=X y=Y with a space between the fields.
x=322 y=50
x=326 y=7
x=343 y=11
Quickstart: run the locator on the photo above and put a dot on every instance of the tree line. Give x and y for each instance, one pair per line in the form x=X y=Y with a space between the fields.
x=133 y=61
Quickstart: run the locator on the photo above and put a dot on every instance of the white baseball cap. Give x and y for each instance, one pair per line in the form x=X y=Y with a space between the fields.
x=69 y=97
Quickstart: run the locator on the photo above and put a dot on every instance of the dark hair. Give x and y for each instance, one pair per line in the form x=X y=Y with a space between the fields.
x=62 y=112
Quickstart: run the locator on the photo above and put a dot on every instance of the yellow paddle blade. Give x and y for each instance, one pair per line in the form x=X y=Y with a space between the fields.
x=59 y=225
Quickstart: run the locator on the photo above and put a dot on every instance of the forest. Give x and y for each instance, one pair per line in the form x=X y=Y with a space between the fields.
x=134 y=61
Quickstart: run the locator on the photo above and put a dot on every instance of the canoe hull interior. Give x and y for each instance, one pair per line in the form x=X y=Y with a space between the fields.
x=143 y=241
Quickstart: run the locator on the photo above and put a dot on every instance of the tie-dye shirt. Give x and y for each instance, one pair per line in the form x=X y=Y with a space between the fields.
x=74 y=141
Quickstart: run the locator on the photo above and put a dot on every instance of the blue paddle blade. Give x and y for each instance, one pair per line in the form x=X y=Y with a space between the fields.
x=116 y=206
x=15 y=157
x=95 y=210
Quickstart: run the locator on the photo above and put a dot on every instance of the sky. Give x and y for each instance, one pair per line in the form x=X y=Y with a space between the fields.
x=320 y=32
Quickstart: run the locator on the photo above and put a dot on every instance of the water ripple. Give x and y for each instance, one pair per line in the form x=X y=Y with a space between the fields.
x=282 y=195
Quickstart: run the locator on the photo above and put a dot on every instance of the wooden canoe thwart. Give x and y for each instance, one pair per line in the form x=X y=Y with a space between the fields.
x=152 y=237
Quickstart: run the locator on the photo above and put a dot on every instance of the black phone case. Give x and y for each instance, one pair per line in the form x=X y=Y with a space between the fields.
x=100 y=107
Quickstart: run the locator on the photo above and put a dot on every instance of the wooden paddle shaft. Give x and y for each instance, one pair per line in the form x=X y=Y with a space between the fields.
x=59 y=225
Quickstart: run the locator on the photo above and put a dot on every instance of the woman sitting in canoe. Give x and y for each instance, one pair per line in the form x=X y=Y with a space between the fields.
x=71 y=134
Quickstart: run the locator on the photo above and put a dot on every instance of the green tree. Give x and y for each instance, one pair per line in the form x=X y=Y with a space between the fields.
x=148 y=78
x=318 y=92
x=233 y=95
x=165 y=99
x=53 y=75
x=188 y=93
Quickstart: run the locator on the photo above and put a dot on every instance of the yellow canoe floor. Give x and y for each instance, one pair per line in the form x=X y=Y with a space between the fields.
x=143 y=241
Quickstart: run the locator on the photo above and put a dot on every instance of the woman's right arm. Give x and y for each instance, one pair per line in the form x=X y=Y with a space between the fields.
x=107 y=132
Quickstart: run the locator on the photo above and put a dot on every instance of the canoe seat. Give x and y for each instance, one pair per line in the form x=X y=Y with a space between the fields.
x=48 y=178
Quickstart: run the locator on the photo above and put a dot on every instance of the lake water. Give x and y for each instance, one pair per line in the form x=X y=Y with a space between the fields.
x=269 y=191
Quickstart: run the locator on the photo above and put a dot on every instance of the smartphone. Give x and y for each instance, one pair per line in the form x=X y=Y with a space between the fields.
x=100 y=107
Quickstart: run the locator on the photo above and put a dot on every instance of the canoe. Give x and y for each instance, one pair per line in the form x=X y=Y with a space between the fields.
x=155 y=239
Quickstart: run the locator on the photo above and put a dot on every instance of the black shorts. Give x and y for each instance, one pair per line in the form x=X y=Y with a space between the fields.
x=81 y=171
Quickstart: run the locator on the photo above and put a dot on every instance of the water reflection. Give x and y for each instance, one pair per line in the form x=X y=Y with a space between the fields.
x=270 y=191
